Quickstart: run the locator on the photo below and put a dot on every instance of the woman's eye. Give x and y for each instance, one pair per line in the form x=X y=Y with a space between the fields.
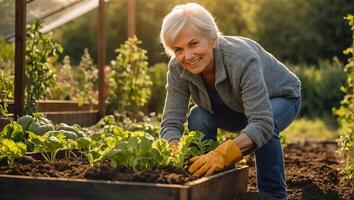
x=194 y=44
x=177 y=50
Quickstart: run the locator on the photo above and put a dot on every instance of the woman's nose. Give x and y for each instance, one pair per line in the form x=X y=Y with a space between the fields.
x=188 y=54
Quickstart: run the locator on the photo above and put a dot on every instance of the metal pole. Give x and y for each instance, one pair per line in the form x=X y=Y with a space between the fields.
x=20 y=52
x=101 y=58
x=131 y=18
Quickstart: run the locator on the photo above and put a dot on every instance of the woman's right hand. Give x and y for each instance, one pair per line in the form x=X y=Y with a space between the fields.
x=174 y=144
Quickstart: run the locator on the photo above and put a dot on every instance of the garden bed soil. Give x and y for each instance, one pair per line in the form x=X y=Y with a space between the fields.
x=77 y=168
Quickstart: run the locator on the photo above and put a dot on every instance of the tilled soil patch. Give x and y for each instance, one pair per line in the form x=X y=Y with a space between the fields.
x=312 y=172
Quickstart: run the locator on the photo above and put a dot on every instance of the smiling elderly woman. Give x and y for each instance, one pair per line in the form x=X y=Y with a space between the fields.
x=236 y=85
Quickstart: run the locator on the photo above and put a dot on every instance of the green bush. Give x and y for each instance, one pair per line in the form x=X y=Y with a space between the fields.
x=41 y=52
x=66 y=86
x=345 y=112
x=87 y=80
x=158 y=74
x=129 y=82
x=320 y=89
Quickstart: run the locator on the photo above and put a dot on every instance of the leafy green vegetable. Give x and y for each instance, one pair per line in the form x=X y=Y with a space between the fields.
x=25 y=121
x=14 y=132
x=48 y=145
x=11 y=150
x=135 y=152
x=190 y=145
x=40 y=128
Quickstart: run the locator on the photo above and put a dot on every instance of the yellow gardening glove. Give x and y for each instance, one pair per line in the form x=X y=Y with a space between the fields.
x=224 y=155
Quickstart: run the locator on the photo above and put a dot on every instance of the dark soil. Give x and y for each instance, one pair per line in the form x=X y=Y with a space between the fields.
x=78 y=168
x=312 y=171
x=166 y=175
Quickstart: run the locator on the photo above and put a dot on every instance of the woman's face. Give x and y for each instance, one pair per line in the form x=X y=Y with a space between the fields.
x=193 y=50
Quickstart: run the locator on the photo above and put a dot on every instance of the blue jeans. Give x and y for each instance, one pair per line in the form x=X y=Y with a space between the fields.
x=269 y=157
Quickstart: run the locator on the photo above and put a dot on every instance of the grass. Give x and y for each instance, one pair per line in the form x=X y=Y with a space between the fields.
x=299 y=130
x=309 y=129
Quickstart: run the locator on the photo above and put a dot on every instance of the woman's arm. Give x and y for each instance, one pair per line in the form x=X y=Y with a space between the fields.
x=244 y=143
x=176 y=104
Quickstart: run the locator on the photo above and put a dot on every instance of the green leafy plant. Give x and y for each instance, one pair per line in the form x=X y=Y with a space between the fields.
x=158 y=73
x=41 y=52
x=36 y=124
x=190 y=145
x=146 y=123
x=129 y=82
x=135 y=152
x=13 y=131
x=94 y=149
x=48 y=145
x=87 y=80
x=6 y=91
x=11 y=150
x=345 y=112
x=67 y=86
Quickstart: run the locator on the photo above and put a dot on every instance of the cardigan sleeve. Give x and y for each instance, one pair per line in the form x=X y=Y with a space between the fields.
x=256 y=103
x=176 y=104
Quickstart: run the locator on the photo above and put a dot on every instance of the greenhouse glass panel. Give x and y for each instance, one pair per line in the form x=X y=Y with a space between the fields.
x=53 y=13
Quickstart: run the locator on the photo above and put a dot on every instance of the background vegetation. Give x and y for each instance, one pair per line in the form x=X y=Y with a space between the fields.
x=307 y=35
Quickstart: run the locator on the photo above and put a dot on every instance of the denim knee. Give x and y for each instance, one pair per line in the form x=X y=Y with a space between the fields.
x=201 y=120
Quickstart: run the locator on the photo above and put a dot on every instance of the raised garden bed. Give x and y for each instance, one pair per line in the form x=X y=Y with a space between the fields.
x=60 y=111
x=41 y=160
x=223 y=185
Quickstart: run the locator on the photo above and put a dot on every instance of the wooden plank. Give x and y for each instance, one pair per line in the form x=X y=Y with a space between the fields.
x=59 y=189
x=57 y=105
x=224 y=185
x=83 y=118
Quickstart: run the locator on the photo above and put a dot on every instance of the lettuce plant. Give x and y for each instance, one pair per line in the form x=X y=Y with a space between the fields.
x=11 y=150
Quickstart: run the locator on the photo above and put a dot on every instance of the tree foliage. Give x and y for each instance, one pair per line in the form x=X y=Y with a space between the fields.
x=303 y=31
x=295 y=31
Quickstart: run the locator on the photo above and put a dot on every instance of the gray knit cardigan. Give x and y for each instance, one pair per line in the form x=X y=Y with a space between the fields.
x=246 y=77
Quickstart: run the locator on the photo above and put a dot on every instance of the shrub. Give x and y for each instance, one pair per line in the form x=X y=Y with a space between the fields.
x=320 y=89
x=345 y=112
x=41 y=52
x=6 y=75
x=66 y=86
x=129 y=82
x=158 y=74
x=87 y=81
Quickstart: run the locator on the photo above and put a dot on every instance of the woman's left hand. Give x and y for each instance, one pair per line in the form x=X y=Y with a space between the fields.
x=225 y=154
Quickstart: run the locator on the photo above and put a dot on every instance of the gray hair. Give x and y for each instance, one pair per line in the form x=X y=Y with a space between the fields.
x=191 y=14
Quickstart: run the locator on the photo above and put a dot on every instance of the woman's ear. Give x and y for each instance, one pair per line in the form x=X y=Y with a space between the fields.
x=213 y=43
